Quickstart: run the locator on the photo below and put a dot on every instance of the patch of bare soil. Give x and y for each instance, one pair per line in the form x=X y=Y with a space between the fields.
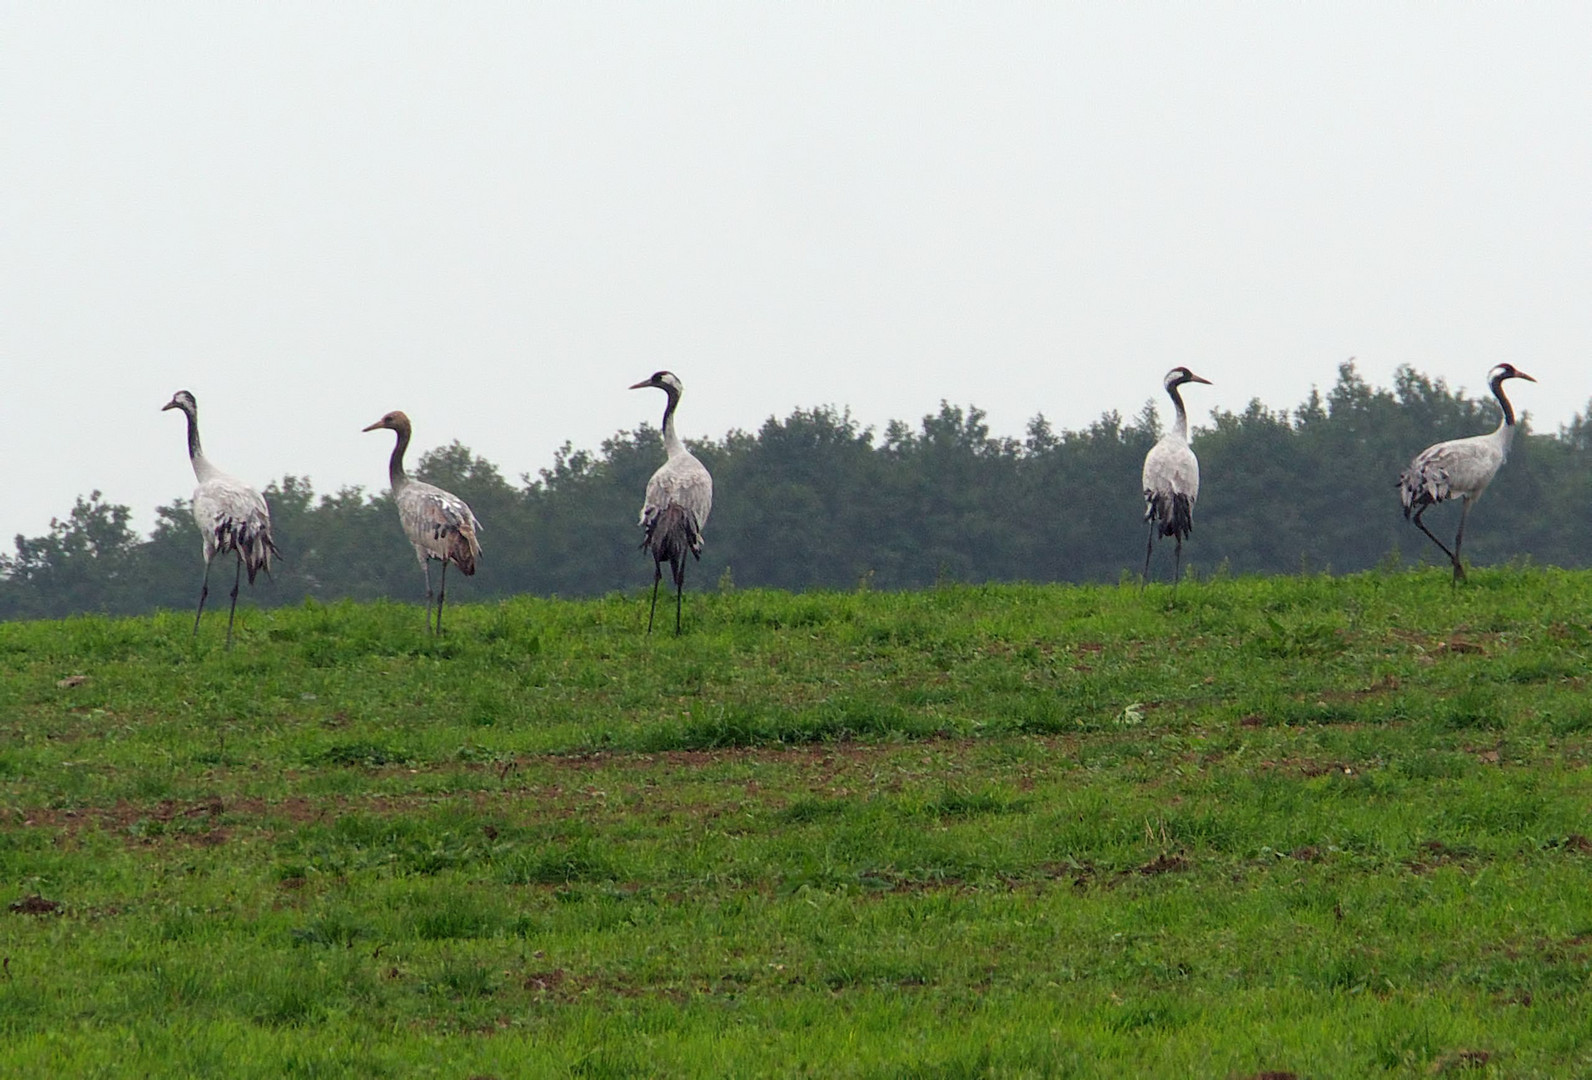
x=564 y=986
x=835 y=770
x=1434 y=854
x=1084 y=875
x=1164 y=863
x=1460 y=1059
x=199 y=822
x=1310 y=767
x=545 y=982
x=818 y=753
x=1385 y=685
x=1322 y=768
x=35 y=905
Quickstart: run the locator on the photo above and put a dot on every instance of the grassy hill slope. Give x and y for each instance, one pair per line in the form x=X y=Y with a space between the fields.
x=1332 y=827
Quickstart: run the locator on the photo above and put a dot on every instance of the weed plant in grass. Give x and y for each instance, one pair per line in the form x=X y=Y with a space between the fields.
x=1328 y=827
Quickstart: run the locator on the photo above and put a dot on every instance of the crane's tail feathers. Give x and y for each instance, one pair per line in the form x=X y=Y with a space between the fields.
x=1172 y=513
x=1420 y=488
x=251 y=540
x=450 y=539
x=463 y=551
x=270 y=553
x=671 y=534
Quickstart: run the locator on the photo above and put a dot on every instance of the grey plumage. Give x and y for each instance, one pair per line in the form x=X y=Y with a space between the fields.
x=231 y=515
x=439 y=524
x=678 y=501
x=1171 y=478
x=1460 y=468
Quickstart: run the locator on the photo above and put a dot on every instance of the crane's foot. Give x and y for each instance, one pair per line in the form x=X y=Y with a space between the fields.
x=1459 y=572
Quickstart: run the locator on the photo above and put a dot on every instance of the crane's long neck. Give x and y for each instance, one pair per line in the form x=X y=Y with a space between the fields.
x=395 y=465
x=1505 y=433
x=671 y=441
x=196 y=454
x=1180 y=417
x=1509 y=410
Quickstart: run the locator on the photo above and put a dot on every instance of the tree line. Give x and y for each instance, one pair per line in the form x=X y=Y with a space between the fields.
x=817 y=500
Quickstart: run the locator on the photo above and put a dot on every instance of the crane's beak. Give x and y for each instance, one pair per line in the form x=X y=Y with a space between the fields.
x=644 y=383
x=1195 y=378
x=172 y=404
x=373 y=427
x=1522 y=375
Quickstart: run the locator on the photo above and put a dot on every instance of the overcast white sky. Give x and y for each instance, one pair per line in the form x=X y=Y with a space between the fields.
x=498 y=216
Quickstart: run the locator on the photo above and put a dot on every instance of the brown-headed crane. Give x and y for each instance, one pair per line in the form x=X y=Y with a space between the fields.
x=438 y=523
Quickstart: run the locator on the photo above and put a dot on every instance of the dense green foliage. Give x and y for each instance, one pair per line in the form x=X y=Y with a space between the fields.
x=1327 y=827
x=815 y=500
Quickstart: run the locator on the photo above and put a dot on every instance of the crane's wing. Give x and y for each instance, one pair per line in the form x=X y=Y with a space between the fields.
x=1171 y=486
x=682 y=482
x=1172 y=468
x=232 y=516
x=439 y=524
x=1461 y=467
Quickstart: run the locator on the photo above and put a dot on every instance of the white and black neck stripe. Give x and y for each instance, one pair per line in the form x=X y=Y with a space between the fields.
x=1497 y=385
x=195 y=451
x=1180 y=420
x=671 y=441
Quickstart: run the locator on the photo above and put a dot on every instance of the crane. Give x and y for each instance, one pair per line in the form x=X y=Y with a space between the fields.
x=231 y=515
x=1460 y=468
x=438 y=523
x=679 y=499
x=1171 y=478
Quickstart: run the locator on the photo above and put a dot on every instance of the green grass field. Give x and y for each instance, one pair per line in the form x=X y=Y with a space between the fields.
x=1310 y=826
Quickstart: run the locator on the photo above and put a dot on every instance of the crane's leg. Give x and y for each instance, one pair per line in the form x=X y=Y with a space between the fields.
x=1459 y=538
x=1149 y=546
x=657 y=576
x=1177 y=567
x=442 y=594
x=204 y=591
x=1422 y=526
x=236 y=581
x=425 y=568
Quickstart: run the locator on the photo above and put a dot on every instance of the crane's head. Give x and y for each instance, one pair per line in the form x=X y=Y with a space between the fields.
x=666 y=381
x=1180 y=375
x=393 y=421
x=183 y=400
x=1506 y=371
